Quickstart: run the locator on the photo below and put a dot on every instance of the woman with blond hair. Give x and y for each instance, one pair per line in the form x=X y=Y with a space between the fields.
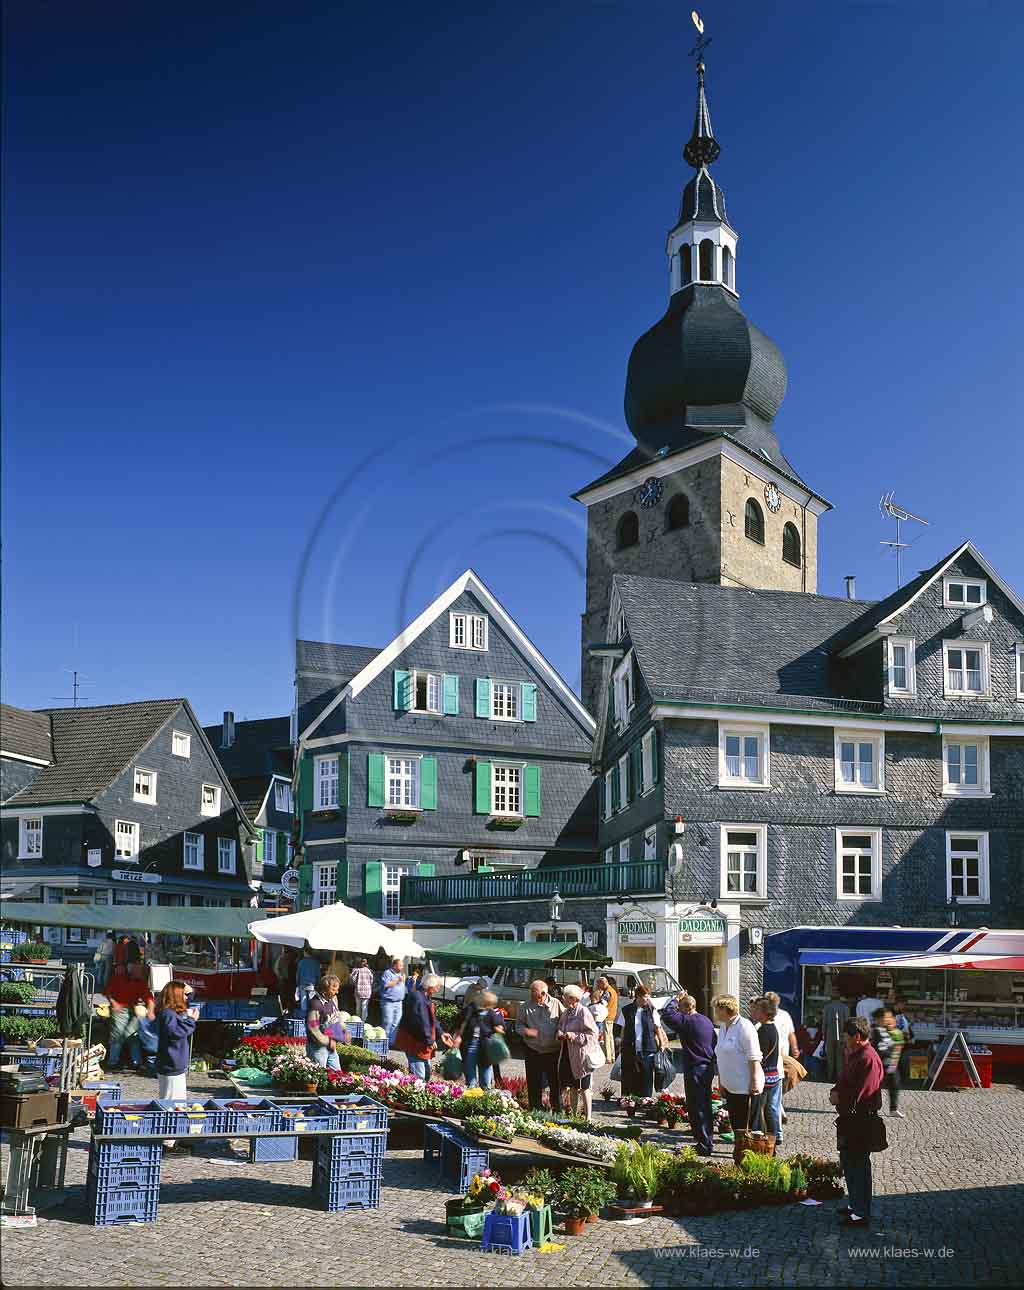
x=740 y=1074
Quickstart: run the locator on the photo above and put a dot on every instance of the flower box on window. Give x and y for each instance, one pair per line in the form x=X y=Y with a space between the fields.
x=398 y=816
x=506 y=822
x=325 y=813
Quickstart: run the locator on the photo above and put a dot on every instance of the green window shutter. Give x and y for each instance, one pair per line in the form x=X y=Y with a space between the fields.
x=425 y=870
x=258 y=853
x=636 y=769
x=483 y=788
x=341 y=885
x=615 y=788
x=625 y=787
x=373 y=887
x=605 y=804
x=531 y=790
x=450 y=686
x=375 y=779
x=305 y=886
x=428 y=783
x=483 y=696
x=282 y=849
x=402 y=691
x=528 y=706
x=306 y=784
x=343 y=760
x=656 y=754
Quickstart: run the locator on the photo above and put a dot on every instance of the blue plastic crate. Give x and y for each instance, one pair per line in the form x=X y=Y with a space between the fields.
x=358 y=1113
x=49 y=1065
x=352 y=1146
x=433 y=1142
x=122 y=1153
x=306 y=1116
x=460 y=1161
x=109 y=1089
x=378 y=1046
x=250 y=1114
x=129 y=1117
x=508 y=1232
x=123 y=1205
x=294 y=1027
x=262 y=1149
x=345 y=1193
x=350 y=1167
x=107 y=1177
x=191 y=1123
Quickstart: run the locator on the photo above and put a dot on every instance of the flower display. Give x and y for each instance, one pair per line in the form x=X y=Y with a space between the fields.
x=296 y=1070
x=485 y=1186
x=503 y=1127
x=574 y=1143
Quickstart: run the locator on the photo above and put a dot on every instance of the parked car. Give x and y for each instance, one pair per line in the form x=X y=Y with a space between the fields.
x=512 y=984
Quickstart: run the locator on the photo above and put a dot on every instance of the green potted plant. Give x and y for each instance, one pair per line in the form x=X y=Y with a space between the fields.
x=22 y=992
x=31 y=952
x=798 y=1183
x=637 y=1171
x=581 y=1192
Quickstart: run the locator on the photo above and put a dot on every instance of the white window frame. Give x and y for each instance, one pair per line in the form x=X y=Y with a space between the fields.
x=326 y=773
x=875 y=854
x=982 y=649
x=391 y=888
x=400 y=778
x=623 y=851
x=744 y=731
x=651 y=843
x=955 y=580
x=609 y=855
x=647 y=757
x=320 y=889
x=488 y=932
x=438 y=687
x=200 y=851
x=857 y=737
x=283 y=791
x=147 y=799
x=608 y=809
x=136 y=833
x=227 y=855
x=512 y=691
x=622 y=689
x=540 y=932
x=468 y=631
x=181 y=744
x=910 y=646
x=1019 y=651
x=983 y=867
x=519 y=768
x=983 y=788
x=25 y=852
x=624 y=798
x=213 y=810
x=761 y=892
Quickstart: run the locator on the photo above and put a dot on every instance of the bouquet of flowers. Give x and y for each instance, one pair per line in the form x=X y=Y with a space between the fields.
x=485 y=1187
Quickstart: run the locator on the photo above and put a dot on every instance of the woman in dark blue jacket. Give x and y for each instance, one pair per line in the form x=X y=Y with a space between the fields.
x=176 y=1023
x=418 y=1032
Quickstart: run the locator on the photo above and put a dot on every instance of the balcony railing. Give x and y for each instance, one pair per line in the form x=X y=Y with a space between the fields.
x=637 y=877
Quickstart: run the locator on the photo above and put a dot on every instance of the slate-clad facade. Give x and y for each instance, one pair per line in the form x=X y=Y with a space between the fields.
x=133 y=807
x=454 y=750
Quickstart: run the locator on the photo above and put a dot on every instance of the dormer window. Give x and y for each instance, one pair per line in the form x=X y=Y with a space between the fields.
x=622 y=685
x=965 y=668
x=964 y=593
x=467 y=631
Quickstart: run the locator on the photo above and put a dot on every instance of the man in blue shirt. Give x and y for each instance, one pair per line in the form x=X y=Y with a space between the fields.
x=307 y=975
x=697 y=1038
x=392 y=995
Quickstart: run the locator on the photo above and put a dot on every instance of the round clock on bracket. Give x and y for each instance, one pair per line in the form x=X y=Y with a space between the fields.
x=649 y=492
x=772 y=497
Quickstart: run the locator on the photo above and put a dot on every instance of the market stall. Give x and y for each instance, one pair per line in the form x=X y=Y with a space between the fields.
x=336 y=927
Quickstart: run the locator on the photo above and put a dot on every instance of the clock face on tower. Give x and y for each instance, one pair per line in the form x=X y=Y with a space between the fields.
x=649 y=492
x=773 y=497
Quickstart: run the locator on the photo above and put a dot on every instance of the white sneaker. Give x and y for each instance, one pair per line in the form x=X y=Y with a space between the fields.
x=897 y=1115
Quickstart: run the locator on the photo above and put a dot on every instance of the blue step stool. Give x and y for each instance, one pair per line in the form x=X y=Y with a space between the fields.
x=509 y=1233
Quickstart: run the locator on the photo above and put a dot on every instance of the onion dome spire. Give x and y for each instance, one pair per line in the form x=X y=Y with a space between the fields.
x=702 y=148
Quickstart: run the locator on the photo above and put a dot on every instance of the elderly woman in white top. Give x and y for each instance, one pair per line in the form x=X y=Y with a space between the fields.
x=740 y=1074
x=581 y=1050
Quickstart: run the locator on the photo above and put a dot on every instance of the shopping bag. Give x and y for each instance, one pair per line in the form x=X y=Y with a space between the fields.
x=495 y=1050
x=664 y=1069
x=616 y=1071
x=451 y=1064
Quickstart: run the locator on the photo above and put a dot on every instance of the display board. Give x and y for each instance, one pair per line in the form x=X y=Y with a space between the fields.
x=955 y=1039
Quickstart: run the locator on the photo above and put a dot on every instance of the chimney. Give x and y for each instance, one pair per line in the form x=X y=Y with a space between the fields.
x=227 y=734
x=851 y=594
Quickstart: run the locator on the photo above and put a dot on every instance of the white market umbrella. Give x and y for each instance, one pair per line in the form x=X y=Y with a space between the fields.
x=335 y=927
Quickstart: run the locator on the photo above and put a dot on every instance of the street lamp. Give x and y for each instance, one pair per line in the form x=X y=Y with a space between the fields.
x=556 y=914
x=954 y=915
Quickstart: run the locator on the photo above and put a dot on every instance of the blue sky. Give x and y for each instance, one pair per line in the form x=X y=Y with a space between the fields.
x=257 y=254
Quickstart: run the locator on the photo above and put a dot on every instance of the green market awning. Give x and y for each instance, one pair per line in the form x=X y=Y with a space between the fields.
x=478 y=949
x=157 y=920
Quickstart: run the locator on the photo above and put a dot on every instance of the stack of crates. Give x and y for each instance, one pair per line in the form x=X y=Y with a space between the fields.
x=460 y=1160
x=347 y=1168
x=124 y=1177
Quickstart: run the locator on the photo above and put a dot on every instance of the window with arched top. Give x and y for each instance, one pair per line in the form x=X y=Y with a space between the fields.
x=677 y=513
x=791 y=545
x=707 y=260
x=728 y=270
x=753 y=521
x=628 y=532
x=685 y=264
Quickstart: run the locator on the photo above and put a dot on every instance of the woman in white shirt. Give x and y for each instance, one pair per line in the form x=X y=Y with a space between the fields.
x=740 y=1074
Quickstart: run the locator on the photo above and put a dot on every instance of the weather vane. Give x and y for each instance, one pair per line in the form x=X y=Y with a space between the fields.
x=698 y=50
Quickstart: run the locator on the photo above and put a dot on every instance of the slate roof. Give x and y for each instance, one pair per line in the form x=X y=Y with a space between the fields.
x=26 y=733
x=333 y=660
x=703 y=642
x=91 y=746
x=251 y=791
x=262 y=747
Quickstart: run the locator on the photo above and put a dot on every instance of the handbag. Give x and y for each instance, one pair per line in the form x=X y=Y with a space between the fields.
x=863 y=1131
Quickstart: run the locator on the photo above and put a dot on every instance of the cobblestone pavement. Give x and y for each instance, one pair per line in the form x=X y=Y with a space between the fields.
x=953 y=1180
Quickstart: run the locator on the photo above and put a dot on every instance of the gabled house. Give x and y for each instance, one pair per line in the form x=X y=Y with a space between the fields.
x=123 y=804
x=829 y=761
x=257 y=756
x=447 y=775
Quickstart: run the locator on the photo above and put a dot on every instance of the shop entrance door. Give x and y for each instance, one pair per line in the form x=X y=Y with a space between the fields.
x=695 y=974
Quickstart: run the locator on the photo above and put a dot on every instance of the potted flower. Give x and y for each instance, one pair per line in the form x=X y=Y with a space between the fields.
x=628 y=1104
x=300 y=1073
x=398 y=816
x=31 y=952
x=580 y=1193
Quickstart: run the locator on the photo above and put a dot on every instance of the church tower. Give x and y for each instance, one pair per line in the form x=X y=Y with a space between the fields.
x=707 y=494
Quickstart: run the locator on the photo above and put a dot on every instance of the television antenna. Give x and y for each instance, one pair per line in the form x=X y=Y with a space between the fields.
x=900 y=514
x=698 y=50
x=79 y=678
